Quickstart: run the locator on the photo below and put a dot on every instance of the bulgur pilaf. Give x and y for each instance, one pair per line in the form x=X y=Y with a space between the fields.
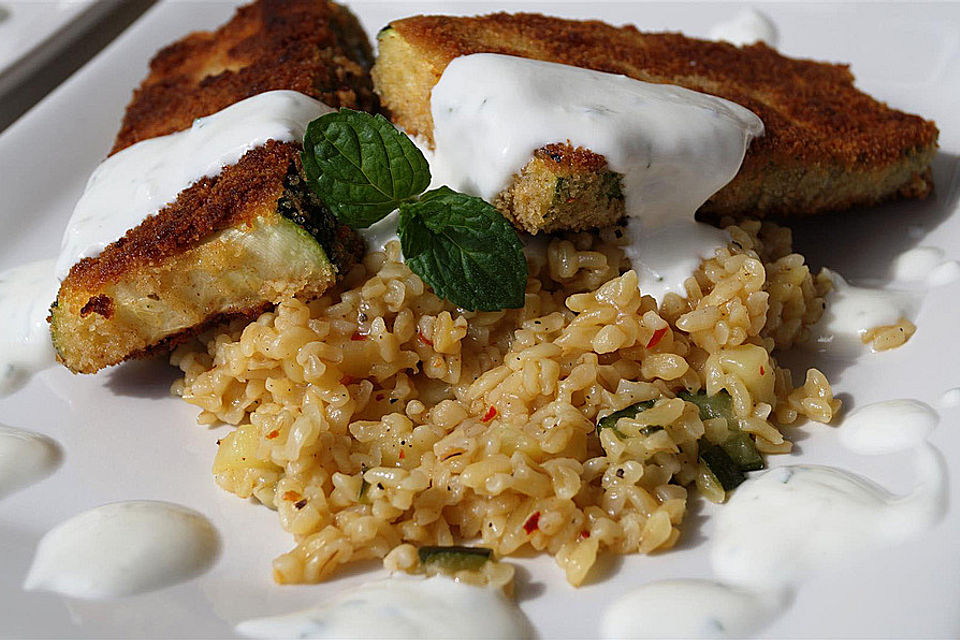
x=380 y=416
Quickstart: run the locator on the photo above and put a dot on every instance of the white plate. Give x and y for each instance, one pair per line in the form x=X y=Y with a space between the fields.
x=32 y=31
x=124 y=438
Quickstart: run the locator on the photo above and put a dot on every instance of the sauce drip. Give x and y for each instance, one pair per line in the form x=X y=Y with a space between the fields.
x=674 y=147
x=26 y=293
x=142 y=179
x=950 y=398
x=747 y=27
x=851 y=311
x=926 y=266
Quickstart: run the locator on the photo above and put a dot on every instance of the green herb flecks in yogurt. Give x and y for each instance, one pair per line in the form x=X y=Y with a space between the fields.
x=142 y=179
x=401 y=607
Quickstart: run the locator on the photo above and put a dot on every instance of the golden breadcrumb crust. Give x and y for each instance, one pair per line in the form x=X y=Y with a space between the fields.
x=827 y=145
x=239 y=194
x=156 y=259
x=312 y=46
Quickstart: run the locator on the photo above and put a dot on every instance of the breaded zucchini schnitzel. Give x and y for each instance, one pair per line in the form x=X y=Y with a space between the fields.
x=233 y=244
x=827 y=146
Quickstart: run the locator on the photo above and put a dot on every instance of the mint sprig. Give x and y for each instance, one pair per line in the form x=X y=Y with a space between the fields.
x=465 y=249
x=363 y=169
x=361 y=166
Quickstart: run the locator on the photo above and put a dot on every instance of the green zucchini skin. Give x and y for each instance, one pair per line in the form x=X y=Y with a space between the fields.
x=743 y=451
x=610 y=421
x=722 y=466
x=303 y=207
x=727 y=461
x=719 y=405
x=739 y=447
x=450 y=560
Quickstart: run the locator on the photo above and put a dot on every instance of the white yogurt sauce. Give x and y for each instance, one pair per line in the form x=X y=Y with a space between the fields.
x=139 y=181
x=122 y=549
x=25 y=458
x=26 y=293
x=674 y=147
x=401 y=607
x=950 y=398
x=821 y=517
x=888 y=427
x=789 y=522
x=665 y=257
x=851 y=311
x=381 y=232
x=926 y=266
x=687 y=609
x=747 y=27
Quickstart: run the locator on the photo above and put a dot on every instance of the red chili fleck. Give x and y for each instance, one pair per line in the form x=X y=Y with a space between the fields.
x=762 y=370
x=273 y=434
x=532 y=523
x=347 y=379
x=357 y=336
x=657 y=337
x=403 y=454
x=379 y=397
x=584 y=534
x=424 y=339
x=489 y=415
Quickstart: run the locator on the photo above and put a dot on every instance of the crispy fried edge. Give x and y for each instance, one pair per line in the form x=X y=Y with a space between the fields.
x=815 y=113
x=312 y=46
x=209 y=205
x=232 y=198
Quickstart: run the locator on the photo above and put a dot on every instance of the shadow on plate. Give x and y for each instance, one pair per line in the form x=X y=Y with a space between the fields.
x=150 y=379
x=525 y=588
x=861 y=244
x=691 y=530
x=21 y=609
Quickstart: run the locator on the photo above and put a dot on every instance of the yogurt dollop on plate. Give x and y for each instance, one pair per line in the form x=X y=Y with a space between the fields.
x=401 y=607
x=25 y=458
x=122 y=549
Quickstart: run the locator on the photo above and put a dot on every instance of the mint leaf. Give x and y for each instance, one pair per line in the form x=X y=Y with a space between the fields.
x=465 y=249
x=361 y=166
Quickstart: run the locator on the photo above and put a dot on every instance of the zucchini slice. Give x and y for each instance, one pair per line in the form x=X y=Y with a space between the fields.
x=742 y=450
x=722 y=466
x=610 y=421
x=739 y=446
x=450 y=560
x=718 y=405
